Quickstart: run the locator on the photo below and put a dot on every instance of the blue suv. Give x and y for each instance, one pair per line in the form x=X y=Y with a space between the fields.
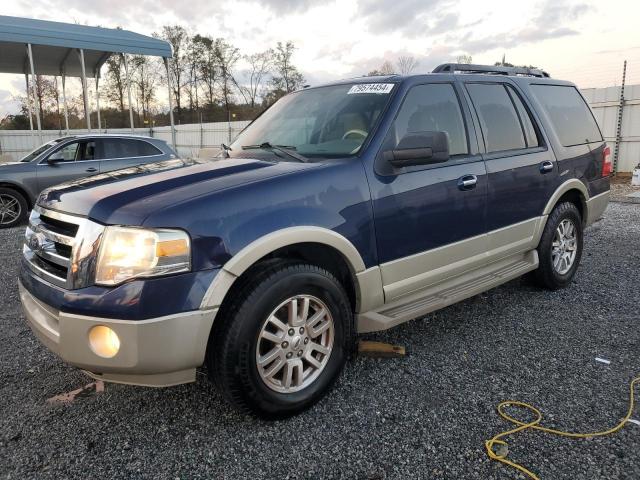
x=346 y=208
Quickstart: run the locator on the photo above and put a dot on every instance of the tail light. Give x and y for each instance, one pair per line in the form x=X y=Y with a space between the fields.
x=607 y=165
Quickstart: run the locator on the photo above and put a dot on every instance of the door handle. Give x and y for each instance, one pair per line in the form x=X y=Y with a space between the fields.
x=467 y=182
x=546 y=167
x=91 y=169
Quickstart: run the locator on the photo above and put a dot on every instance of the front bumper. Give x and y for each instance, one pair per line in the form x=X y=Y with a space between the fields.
x=156 y=352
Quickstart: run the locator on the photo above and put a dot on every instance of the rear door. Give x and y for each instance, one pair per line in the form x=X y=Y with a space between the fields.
x=127 y=152
x=70 y=161
x=429 y=225
x=521 y=169
x=577 y=140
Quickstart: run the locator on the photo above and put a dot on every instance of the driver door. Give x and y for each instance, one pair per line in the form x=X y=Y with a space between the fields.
x=429 y=219
x=70 y=161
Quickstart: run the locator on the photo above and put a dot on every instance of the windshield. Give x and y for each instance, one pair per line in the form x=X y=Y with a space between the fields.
x=41 y=149
x=331 y=121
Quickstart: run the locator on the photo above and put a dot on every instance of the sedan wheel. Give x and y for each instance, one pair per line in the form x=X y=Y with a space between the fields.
x=13 y=208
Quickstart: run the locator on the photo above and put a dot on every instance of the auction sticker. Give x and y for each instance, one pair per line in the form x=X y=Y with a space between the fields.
x=381 y=88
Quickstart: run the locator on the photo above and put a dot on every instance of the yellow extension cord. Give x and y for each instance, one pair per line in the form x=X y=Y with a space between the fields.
x=535 y=425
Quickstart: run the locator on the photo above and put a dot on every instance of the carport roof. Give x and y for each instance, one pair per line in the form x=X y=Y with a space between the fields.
x=53 y=45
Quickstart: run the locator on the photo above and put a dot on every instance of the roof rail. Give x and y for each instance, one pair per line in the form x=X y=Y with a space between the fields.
x=499 y=70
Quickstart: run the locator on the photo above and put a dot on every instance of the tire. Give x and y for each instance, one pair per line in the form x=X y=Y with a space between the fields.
x=13 y=208
x=551 y=273
x=245 y=336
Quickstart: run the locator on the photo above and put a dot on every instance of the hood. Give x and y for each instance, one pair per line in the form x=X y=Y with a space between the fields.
x=128 y=196
x=15 y=166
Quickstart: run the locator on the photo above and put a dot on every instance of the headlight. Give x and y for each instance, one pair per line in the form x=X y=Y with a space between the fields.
x=127 y=252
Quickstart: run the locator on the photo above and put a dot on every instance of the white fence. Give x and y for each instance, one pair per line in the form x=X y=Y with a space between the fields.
x=605 y=103
x=191 y=138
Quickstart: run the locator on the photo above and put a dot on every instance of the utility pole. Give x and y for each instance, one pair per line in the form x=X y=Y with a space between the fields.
x=616 y=152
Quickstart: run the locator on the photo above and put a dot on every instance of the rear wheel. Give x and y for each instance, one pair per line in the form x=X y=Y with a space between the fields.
x=560 y=247
x=13 y=208
x=282 y=341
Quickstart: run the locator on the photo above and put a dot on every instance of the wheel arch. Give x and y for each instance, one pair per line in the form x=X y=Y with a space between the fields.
x=573 y=191
x=317 y=245
x=21 y=190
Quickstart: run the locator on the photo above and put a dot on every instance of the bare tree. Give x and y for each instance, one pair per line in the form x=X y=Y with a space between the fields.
x=466 y=59
x=226 y=58
x=260 y=65
x=116 y=82
x=194 y=57
x=207 y=66
x=406 y=65
x=179 y=39
x=286 y=76
x=144 y=76
x=386 y=68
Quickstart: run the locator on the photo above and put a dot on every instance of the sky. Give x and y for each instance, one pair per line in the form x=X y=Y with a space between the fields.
x=584 y=41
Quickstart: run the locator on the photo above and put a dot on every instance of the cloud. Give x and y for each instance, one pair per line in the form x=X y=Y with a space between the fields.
x=408 y=17
x=8 y=103
x=282 y=7
x=550 y=22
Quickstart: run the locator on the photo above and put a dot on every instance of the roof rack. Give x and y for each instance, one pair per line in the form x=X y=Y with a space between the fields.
x=491 y=69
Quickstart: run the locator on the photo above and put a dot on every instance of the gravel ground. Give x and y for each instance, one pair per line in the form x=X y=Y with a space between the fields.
x=621 y=189
x=422 y=416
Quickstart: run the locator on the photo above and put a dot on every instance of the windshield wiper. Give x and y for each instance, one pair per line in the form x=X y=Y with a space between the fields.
x=286 y=149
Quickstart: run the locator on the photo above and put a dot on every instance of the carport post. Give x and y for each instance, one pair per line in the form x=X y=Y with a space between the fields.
x=126 y=73
x=173 y=126
x=98 y=102
x=64 y=101
x=26 y=81
x=35 y=86
x=84 y=90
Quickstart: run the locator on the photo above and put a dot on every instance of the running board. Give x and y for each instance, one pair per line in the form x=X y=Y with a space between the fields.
x=432 y=298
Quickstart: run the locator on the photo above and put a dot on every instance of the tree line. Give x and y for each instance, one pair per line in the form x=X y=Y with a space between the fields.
x=211 y=80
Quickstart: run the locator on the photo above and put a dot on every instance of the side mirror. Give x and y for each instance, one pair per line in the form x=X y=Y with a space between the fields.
x=419 y=148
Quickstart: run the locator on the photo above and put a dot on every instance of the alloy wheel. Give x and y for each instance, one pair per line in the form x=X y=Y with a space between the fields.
x=10 y=209
x=295 y=343
x=564 y=247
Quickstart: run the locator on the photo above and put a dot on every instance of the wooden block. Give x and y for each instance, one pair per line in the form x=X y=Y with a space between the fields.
x=380 y=349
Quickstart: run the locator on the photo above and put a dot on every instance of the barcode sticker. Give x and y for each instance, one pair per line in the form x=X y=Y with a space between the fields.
x=380 y=88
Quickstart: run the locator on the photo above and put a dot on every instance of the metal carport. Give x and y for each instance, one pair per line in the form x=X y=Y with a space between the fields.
x=39 y=47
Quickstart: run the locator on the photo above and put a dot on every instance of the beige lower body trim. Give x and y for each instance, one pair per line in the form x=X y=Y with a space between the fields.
x=404 y=276
x=596 y=206
x=369 y=289
x=156 y=352
x=447 y=292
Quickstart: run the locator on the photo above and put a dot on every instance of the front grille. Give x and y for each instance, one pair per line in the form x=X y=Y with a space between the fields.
x=49 y=242
x=58 y=226
x=61 y=248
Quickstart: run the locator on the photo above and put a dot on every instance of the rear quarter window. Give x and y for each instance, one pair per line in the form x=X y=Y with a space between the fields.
x=569 y=114
x=126 y=148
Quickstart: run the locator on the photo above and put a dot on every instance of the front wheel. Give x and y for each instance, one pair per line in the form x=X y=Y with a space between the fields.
x=282 y=341
x=13 y=208
x=560 y=247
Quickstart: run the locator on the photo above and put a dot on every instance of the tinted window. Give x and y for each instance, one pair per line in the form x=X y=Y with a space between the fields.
x=498 y=118
x=126 y=147
x=526 y=122
x=433 y=108
x=87 y=151
x=569 y=114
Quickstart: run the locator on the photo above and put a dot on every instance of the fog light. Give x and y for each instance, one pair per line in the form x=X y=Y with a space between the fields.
x=103 y=341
